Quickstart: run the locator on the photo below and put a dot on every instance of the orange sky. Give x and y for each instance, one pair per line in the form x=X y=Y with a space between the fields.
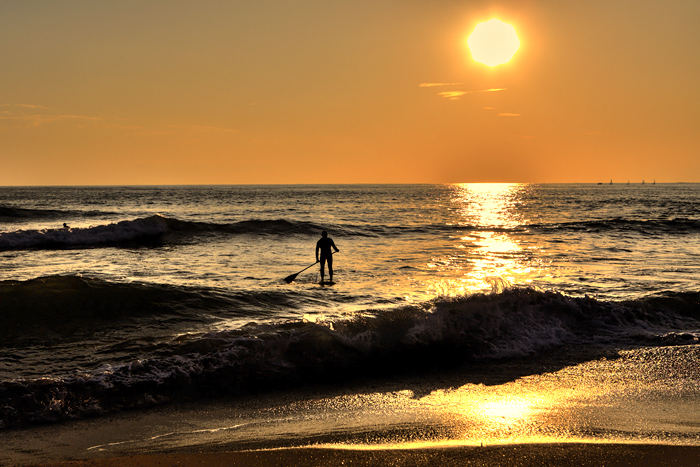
x=272 y=91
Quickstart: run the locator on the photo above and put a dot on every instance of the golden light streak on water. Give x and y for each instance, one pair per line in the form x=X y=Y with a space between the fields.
x=489 y=259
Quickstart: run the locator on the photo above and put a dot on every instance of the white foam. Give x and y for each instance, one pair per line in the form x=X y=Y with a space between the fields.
x=123 y=231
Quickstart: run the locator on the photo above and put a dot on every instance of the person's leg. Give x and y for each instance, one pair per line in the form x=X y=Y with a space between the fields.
x=323 y=264
x=330 y=267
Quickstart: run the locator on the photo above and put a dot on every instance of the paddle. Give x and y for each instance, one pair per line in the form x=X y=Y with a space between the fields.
x=291 y=278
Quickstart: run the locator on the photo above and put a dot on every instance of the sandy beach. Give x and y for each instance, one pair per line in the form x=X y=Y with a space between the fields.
x=523 y=455
x=588 y=413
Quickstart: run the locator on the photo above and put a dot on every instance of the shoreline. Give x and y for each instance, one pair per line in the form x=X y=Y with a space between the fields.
x=521 y=455
x=562 y=413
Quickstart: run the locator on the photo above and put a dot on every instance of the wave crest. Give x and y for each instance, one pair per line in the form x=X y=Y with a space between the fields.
x=148 y=231
x=139 y=231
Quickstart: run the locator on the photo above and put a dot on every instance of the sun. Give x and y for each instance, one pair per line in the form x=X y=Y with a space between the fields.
x=493 y=42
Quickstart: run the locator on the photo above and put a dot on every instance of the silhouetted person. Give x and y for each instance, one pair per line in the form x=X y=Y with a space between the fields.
x=325 y=244
x=65 y=226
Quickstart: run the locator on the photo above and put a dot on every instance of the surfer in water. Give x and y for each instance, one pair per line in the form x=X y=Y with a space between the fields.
x=325 y=244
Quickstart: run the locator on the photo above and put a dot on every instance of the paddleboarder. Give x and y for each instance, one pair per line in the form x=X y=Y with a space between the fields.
x=324 y=245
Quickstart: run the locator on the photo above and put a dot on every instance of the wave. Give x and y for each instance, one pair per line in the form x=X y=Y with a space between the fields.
x=65 y=304
x=136 y=232
x=150 y=231
x=447 y=331
x=252 y=226
x=648 y=227
x=54 y=308
x=156 y=230
x=10 y=213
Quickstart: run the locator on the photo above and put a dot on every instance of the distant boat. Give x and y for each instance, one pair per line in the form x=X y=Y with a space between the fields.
x=654 y=182
x=611 y=181
x=642 y=182
x=628 y=182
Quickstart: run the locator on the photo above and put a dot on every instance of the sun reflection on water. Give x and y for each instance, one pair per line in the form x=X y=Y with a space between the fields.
x=488 y=256
x=488 y=204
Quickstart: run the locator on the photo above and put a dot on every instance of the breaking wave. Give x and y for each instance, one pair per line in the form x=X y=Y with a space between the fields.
x=139 y=231
x=516 y=322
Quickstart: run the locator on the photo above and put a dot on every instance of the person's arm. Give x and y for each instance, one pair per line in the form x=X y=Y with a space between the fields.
x=333 y=245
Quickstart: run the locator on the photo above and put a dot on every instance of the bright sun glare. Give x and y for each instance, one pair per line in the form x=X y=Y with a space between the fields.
x=493 y=42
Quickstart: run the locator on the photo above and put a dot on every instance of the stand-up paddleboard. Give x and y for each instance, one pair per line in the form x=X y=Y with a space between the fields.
x=326 y=283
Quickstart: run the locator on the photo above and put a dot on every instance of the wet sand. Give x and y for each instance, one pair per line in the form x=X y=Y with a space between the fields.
x=524 y=455
x=620 y=410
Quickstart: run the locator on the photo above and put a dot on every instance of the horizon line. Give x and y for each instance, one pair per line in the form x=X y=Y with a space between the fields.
x=346 y=183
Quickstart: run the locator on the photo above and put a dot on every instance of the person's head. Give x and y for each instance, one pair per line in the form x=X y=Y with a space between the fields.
x=324 y=234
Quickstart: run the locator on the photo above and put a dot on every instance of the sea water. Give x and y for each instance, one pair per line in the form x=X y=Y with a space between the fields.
x=169 y=293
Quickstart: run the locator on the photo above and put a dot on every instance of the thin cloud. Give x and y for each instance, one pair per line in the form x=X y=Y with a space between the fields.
x=431 y=85
x=506 y=114
x=452 y=94
x=25 y=106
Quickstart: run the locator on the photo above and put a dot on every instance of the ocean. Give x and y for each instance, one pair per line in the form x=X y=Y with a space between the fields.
x=164 y=295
